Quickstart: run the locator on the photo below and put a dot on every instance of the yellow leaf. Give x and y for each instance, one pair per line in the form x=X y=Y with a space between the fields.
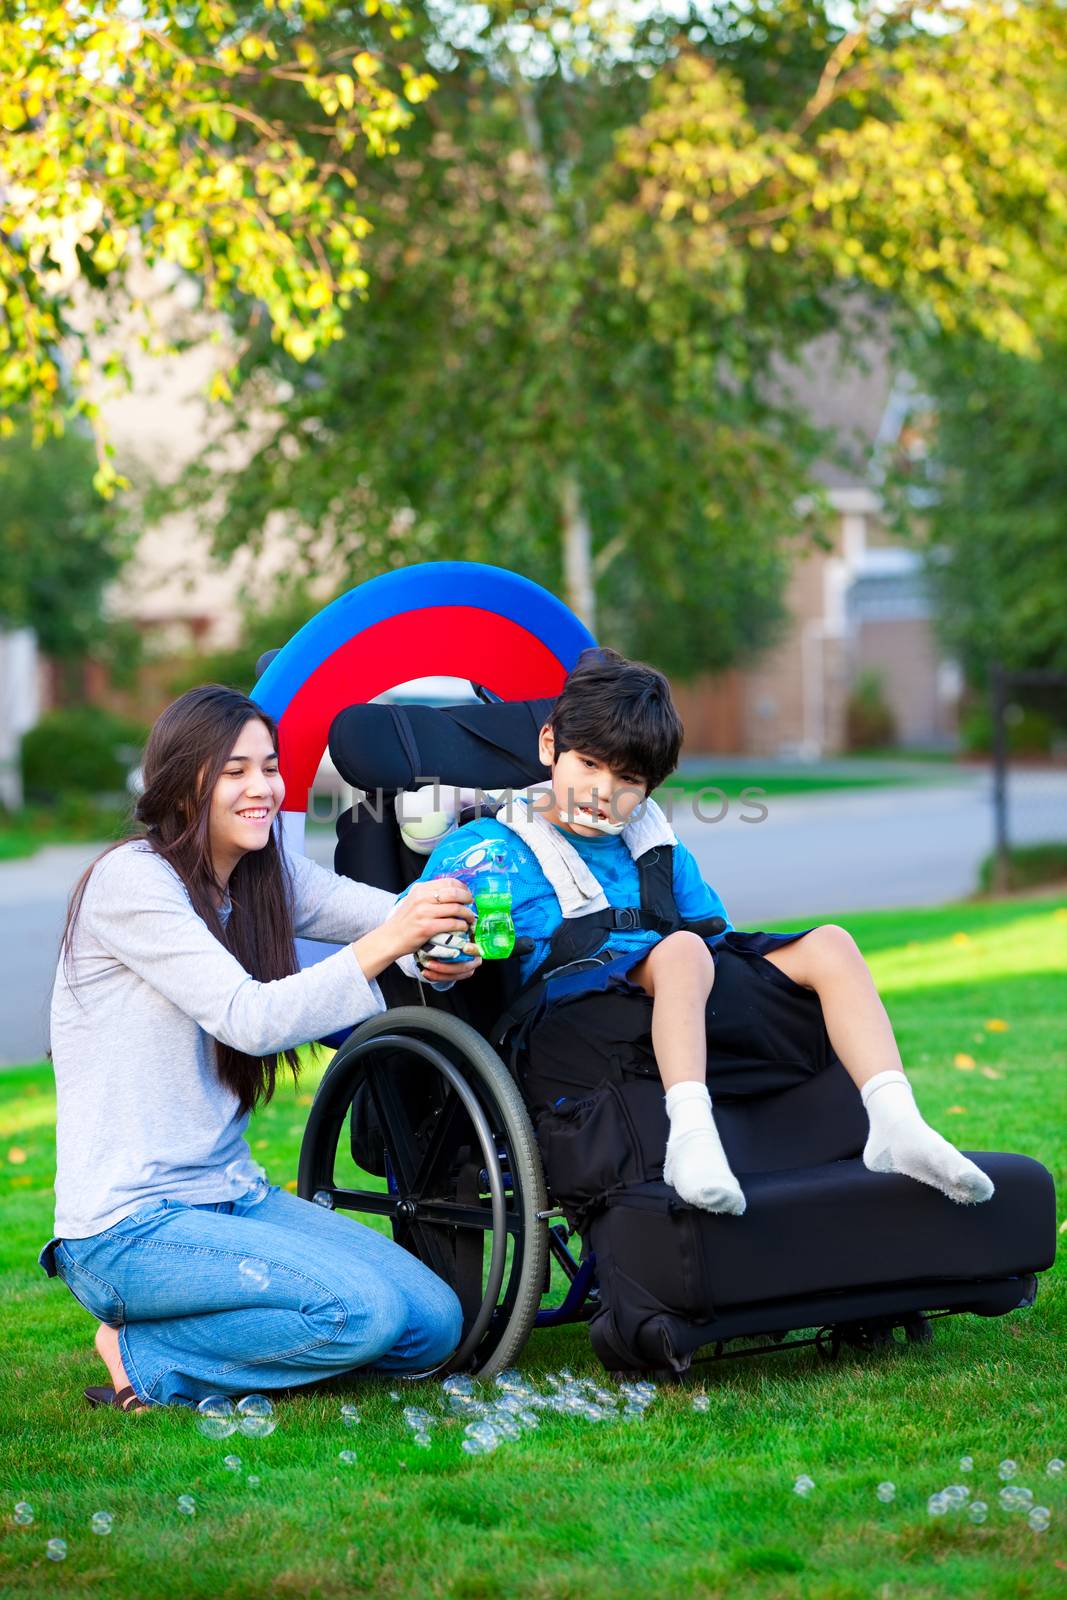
x=961 y=938
x=16 y=1156
x=346 y=90
x=291 y=1186
x=996 y=1025
x=956 y=1111
x=318 y=294
x=964 y=1062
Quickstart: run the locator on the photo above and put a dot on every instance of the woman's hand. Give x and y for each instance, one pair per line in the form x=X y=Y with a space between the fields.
x=439 y=906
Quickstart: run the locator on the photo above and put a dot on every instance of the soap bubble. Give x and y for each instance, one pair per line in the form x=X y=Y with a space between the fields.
x=350 y=1415
x=528 y=1419
x=254 y=1274
x=101 y=1522
x=459 y=1384
x=956 y=1494
x=322 y=1197
x=417 y=1418
x=252 y=1481
x=423 y=1441
x=511 y=1381
x=485 y=1431
x=393 y=1395
x=937 y=1505
x=244 y=1174
x=701 y=1402
x=803 y=1485
x=56 y=1549
x=1039 y=1518
x=966 y=1463
x=886 y=1492
x=978 y=1511
x=257 y=1416
x=215 y=1417
x=478 y=1447
x=187 y=1505
x=232 y=1463
x=1009 y=1498
x=506 y=1429
x=22 y=1514
x=346 y=1457
x=1054 y=1468
x=1025 y=1496
x=1007 y=1469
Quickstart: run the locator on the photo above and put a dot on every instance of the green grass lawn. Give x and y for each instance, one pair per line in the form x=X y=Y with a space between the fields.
x=681 y=1504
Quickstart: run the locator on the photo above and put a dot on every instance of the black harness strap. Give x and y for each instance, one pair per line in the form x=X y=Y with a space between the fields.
x=579 y=940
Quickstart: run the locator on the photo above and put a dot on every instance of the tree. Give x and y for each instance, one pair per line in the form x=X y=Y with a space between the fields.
x=986 y=498
x=591 y=247
x=60 y=546
x=153 y=133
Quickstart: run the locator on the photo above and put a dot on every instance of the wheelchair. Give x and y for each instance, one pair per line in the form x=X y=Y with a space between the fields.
x=419 y=1120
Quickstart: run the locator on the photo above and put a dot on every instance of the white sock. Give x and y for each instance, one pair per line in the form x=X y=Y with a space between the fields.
x=696 y=1163
x=901 y=1141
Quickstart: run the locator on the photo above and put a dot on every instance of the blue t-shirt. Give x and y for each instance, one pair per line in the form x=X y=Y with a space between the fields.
x=535 y=908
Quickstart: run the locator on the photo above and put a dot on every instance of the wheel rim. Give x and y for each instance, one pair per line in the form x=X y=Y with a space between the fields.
x=423 y=1221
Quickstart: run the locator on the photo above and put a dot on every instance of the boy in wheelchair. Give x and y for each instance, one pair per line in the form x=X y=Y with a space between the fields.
x=613 y=904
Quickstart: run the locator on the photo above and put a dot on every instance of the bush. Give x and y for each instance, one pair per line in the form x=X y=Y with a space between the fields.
x=1030 y=866
x=85 y=750
x=1030 y=733
x=869 y=720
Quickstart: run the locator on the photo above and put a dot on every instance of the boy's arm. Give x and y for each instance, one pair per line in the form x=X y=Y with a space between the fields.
x=694 y=898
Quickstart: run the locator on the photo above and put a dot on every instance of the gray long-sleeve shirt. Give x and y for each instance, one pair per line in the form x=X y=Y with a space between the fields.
x=141 y=1112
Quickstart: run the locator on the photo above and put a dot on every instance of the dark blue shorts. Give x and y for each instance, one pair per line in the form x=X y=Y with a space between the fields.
x=764 y=1031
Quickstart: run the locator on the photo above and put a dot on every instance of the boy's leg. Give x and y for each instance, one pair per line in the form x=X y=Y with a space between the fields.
x=829 y=961
x=679 y=974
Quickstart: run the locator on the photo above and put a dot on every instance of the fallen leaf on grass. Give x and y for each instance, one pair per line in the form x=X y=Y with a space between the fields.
x=291 y=1186
x=991 y=1072
x=963 y=1061
x=16 y=1156
x=997 y=1025
x=1063 y=1227
x=957 y=1111
x=961 y=938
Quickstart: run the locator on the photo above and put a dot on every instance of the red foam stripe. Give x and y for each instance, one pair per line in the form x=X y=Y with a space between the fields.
x=447 y=641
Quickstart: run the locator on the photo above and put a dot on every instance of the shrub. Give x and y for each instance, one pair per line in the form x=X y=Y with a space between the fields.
x=869 y=720
x=83 y=750
x=1030 y=733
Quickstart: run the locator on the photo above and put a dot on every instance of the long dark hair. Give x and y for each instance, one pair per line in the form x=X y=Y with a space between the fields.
x=187 y=749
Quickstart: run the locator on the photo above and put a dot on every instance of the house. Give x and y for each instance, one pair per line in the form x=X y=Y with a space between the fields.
x=860 y=607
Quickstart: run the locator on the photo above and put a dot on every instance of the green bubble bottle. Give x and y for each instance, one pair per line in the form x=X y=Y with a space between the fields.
x=494 y=931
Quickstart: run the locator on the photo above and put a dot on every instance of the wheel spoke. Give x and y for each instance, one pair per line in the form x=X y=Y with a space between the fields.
x=400 y=1141
x=440 y=1143
x=430 y=1213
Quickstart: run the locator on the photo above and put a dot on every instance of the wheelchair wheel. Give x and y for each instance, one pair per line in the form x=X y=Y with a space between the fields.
x=440 y=1145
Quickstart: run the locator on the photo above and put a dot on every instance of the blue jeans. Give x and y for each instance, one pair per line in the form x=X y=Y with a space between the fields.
x=263 y=1292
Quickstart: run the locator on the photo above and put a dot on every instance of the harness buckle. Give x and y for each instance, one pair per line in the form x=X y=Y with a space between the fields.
x=627 y=919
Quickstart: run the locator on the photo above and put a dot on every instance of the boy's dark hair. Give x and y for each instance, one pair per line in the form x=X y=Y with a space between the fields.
x=620 y=712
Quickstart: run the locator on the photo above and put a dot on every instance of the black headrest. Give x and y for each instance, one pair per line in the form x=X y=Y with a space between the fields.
x=401 y=747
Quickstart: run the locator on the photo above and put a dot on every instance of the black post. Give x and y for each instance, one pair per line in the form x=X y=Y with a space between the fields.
x=1001 y=869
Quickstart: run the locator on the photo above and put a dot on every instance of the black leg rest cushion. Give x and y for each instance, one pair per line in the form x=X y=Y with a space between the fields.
x=829 y=1227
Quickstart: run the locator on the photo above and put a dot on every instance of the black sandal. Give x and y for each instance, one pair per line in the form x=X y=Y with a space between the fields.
x=126 y=1400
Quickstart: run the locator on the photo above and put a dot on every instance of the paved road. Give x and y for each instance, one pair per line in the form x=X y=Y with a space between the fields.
x=813 y=856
